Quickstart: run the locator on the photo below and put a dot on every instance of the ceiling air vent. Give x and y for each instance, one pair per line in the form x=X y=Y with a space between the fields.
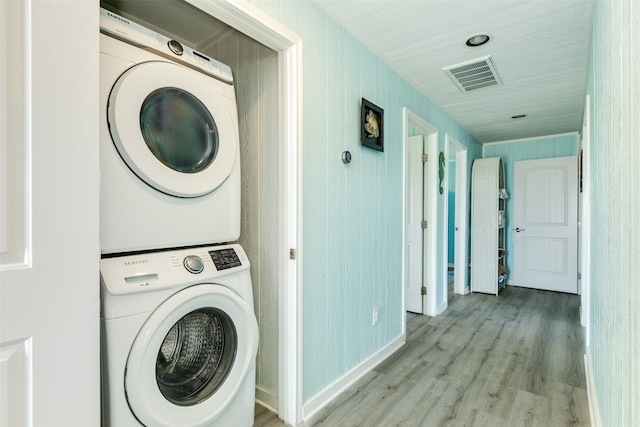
x=474 y=74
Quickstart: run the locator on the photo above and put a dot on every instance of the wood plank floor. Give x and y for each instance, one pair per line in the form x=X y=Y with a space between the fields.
x=512 y=360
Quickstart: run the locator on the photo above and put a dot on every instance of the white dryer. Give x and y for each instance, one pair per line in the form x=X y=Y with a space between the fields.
x=179 y=339
x=169 y=145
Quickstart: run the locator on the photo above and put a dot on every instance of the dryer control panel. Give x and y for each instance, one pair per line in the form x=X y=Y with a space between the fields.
x=130 y=32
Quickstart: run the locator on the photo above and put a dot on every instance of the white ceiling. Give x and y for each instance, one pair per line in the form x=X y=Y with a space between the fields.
x=539 y=47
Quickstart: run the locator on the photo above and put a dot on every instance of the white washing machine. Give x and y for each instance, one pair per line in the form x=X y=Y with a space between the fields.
x=179 y=339
x=169 y=145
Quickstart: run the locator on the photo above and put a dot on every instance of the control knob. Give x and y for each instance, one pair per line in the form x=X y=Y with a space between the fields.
x=193 y=264
x=175 y=47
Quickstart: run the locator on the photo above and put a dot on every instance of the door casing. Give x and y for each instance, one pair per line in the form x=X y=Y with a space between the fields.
x=461 y=216
x=412 y=121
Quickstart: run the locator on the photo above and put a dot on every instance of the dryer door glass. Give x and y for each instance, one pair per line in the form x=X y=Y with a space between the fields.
x=196 y=356
x=179 y=130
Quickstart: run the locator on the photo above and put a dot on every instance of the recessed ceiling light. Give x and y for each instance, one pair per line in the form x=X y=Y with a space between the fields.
x=478 y=40
x=519 y=116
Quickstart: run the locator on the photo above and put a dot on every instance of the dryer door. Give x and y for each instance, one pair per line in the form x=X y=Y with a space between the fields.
x=175 y=128
x=191 y=356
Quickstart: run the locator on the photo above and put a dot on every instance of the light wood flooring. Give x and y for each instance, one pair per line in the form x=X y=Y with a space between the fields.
x=512 y=360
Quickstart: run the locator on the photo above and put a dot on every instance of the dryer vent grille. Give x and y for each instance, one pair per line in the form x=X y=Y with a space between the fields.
x=474 y=74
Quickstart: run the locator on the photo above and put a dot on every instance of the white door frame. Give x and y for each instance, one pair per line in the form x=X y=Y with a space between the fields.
x=461 y=218
x=266 y=30
x=411 y=120
x=585 y=223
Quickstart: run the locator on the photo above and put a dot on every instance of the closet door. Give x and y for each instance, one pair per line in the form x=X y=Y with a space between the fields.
x=545 y=224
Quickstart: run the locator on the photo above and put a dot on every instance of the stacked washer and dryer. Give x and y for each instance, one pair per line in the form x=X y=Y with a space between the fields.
x=179 y=334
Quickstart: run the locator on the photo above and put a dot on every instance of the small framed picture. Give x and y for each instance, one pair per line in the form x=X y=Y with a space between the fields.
x=371 y=126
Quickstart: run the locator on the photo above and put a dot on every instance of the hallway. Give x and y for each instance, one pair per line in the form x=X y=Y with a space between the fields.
x=511 y=360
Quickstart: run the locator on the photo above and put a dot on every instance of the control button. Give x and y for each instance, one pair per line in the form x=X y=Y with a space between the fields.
x=193 y=264
x=175 y=47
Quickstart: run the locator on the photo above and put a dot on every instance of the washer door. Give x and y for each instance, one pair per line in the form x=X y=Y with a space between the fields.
x=173 y=128
x=191 y=356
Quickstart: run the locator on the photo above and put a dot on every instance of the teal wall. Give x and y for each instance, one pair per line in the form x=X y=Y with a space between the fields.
x=614 y=308
x=528 y=149
x=352 y=214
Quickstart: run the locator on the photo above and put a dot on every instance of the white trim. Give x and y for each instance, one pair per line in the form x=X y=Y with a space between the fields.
x=585 y=225
x=267 y=399
x=291 y=315
x=409 y=118
x=442 y=307
x=461 y=260
x=533 y=138
x=461 y=281
x=592 y=396
x=250 y=20
x=431 y=215
x=253 y=22
x=444 y=267
x=322 y=399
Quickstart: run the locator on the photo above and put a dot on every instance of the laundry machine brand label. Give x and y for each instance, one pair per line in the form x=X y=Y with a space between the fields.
x=117 y=17
x=136 y=262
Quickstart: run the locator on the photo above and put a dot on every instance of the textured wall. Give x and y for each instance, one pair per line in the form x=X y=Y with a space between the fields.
x=352 y=214
x=615 y=210
x=528 y=149
x=255 y=70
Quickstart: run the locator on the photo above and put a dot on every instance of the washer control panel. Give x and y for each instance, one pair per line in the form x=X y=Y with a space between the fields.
x=225 y=258
x=164 y=269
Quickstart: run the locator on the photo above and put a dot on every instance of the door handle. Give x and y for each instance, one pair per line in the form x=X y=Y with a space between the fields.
x=518 y=229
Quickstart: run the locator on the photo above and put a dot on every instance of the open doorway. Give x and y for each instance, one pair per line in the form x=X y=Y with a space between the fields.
x=420 y=214
x=455 y=211
x=282 y=389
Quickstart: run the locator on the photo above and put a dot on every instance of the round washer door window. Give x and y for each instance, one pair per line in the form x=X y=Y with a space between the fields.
x=190 y=357
x=175 y=128
x=196 y=356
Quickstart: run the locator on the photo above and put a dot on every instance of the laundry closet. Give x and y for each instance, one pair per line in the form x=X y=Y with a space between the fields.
x=255 y=70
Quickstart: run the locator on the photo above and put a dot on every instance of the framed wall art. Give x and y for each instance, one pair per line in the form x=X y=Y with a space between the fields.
x=371 y=126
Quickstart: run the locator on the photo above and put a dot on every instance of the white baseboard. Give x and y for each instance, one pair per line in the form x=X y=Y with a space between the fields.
x=322 y=399
x=442 y=307
x=594 y=409
x=267 y=399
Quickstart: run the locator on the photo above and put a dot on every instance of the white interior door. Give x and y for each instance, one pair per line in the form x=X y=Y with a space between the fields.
x=545 y=224
x=414 y=212
x=49 y=248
